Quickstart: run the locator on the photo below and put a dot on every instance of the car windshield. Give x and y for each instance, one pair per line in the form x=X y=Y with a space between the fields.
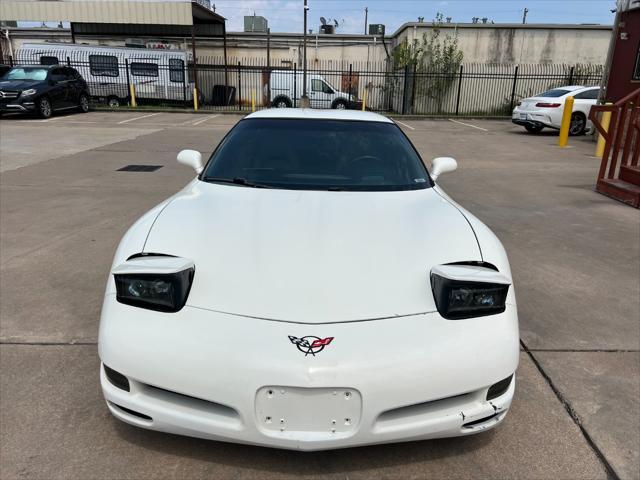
x=317 y=155
x=556 y=92
x=26 y=74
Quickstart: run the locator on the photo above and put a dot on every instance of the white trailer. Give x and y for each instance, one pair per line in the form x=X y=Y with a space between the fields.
x=108 y=71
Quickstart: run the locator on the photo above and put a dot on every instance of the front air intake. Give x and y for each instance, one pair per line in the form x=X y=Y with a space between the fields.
x=499 y=388
x=116 y=378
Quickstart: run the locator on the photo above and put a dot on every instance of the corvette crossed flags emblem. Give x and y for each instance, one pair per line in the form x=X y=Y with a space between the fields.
x=310 y=344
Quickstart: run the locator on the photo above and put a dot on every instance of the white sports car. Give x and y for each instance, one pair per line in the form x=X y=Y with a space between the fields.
x=312 y=288
x=545 y=109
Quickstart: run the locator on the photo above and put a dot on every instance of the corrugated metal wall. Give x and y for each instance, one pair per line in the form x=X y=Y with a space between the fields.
x=154 y=12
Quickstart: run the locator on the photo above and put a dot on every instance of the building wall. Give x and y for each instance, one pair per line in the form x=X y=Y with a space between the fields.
x=487 y=43
x=626 y=54
x=480 y=44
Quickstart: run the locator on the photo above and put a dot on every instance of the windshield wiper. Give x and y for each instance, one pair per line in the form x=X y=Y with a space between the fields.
x=236 y=181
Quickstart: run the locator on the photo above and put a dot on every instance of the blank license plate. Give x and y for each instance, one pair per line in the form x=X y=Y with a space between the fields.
x=321 y=410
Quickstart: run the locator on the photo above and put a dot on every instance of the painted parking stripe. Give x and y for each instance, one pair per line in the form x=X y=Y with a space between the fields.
x=468 y=125
x=138 y=118
x=204 y=119
x=401 y=123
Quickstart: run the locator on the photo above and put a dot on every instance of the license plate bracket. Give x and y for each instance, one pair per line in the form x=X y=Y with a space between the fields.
x=331 y=411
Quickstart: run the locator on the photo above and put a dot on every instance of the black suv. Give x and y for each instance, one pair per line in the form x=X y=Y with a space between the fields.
x=43 y=89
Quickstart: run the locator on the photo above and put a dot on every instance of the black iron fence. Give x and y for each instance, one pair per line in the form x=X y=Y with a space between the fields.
x=169 y=78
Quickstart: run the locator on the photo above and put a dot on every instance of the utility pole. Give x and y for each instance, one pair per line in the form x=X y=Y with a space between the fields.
x=304 y=101
x=524 y=15
x=366 y=14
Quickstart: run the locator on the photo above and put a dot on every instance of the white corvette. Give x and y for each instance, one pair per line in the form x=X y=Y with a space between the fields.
x=312 y=288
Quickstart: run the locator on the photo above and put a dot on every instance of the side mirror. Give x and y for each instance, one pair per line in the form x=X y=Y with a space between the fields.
x=442 y=165
x=192 y=159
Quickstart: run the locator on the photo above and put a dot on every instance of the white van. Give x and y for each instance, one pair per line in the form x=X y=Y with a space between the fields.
x=156 y=74
x=286 y=90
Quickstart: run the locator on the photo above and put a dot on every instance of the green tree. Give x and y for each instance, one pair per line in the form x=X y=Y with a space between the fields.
x=437 y=54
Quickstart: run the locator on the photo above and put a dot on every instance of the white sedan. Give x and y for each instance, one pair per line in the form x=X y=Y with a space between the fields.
x=312 y=288
x=545 y=109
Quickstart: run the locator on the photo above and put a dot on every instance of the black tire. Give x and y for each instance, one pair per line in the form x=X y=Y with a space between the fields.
x=45 y=109
x=578 y=124
x=282 y=102
x=113 y=102
x=339 y=105
x=533 y=128
x=83 y=103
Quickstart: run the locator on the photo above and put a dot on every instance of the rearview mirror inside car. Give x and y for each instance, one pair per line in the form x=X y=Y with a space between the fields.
x=191 y=158
x=442 y=165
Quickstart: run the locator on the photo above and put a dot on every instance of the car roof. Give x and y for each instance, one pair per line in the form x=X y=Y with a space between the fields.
x=572 y=87
x=46 y=67
x=317 y=114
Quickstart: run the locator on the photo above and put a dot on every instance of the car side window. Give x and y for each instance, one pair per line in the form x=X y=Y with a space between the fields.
x=316 y=85
x=57 y=75
x=588 y=95
x=326 y=88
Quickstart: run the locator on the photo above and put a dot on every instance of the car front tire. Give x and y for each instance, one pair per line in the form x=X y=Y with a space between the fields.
x=45 y=110
x=339 y=105
x=578 y=124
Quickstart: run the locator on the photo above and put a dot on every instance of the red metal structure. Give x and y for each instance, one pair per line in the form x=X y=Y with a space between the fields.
x=619 y=175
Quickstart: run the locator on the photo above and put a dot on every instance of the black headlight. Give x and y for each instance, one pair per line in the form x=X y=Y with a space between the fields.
x=166 y=292
x=458 y=299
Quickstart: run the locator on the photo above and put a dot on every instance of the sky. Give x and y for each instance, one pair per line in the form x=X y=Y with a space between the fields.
x=286 y=15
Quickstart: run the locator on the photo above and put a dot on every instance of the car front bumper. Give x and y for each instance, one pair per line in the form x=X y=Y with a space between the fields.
x=18 y=104
x=231 y=378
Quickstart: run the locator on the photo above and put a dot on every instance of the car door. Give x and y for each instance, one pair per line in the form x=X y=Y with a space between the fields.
x=321 y=94
x=583 y=101
x=74 y=86
x=58 y=88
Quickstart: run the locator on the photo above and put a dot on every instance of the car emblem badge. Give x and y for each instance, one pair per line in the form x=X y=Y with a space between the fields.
x=310 y=344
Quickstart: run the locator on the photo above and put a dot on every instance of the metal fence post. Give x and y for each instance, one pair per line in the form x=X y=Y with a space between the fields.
x=350 y=76
x=513 y=88
x=68 y=62
x=404 y=89
x=239 y=88
x=11 y=60
x=459 y=89
x=571 y=75
x=295 y=80
x=413 y=86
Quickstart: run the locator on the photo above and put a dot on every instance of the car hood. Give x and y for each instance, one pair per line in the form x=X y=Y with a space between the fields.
x=18 y=84
x=312 y=256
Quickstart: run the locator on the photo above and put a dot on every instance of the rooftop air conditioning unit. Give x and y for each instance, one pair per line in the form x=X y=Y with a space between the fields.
x=135 y=43
x=376 y=29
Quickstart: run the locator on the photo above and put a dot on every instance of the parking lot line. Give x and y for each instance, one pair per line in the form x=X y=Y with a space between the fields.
x=204 y=119
x=138 y=118
x=468 y=125
x=401 y=123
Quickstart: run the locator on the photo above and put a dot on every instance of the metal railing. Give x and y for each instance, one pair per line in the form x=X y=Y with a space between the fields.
x=470 y=90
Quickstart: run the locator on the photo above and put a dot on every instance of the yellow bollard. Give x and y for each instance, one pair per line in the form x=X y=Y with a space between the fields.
x=364 y=100
x=566 y=121
x=132 y=94
x=606 y=120
x=195 y=99
x=253 y=100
